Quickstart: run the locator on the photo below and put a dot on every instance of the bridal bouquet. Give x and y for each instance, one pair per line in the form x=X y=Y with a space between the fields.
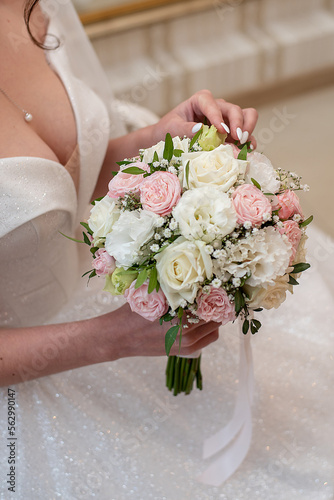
x=198 y=230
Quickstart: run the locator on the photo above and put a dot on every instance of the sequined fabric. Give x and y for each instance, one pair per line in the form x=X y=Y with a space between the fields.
x=112 y=431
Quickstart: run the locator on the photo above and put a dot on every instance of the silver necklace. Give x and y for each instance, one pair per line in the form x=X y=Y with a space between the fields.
x=26 y=115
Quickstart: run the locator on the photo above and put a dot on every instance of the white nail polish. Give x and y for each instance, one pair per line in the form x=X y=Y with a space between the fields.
x=244 y=137
x=225 y=127
x=251 y=147
x=239 y=133
x=197 y=127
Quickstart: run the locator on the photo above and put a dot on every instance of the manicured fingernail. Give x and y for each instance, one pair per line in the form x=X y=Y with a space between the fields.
x=251 y=147
x=225 y=127
x=239 y=133
x=197 y=127
x=244 y=137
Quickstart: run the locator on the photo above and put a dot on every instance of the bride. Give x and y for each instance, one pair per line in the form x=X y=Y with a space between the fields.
x=86 y=427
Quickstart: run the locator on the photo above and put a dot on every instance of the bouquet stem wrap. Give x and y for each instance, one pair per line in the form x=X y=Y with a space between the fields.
x=232 y=442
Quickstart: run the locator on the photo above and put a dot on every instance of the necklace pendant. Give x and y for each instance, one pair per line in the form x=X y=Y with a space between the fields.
x=28 y=117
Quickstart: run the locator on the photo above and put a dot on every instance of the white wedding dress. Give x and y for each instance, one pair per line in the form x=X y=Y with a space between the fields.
x=112 y=431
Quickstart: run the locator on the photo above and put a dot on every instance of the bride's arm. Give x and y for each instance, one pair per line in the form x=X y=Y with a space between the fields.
x=180 y=121
x=29 y=353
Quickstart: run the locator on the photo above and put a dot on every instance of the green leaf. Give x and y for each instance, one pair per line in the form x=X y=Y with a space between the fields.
x=245 y=327
x=167 y=317
x=93 y=250
x=254 y=330
x=114 y=172
x=92 y=274
x=194 y=139
x=256 y=184
x=178 y=152
x=257 y=323
x=123 y=162
x=292 y=281
x=86 y=239
x=171 y=337
x=269 y=194
x=97 y=200
x=306 y=222
x=243 y=153
x=155 y=157
x=141 y=278
x=84 y=274
x=153 y=280
x=72 y=239
x=239 y=301
x=187 y=173
x=134 y=171
x=299 y=268
x=259 y=309
x=86 y=226
x=169 y=148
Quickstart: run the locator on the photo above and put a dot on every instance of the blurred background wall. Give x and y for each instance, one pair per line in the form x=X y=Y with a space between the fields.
x=275 y=55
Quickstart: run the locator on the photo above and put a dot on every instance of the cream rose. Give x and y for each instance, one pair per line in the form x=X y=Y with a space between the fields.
x=182 y=267
x=128 y=234
x=103 y=216
x=205 y=214
x=271 y=297
x=218 y=168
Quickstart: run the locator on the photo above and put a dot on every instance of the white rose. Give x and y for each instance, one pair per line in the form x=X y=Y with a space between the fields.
x=103 y=216
x=271 y=297
x=265 y=254
x=205 y=214
x=217 y=167
x=160 y=146
x=260 y=168
x=128 y=234
x=181 y=268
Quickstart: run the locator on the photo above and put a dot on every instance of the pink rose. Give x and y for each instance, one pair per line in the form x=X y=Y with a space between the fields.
x=150 y=306
x=215 y=306
x=123 y=183
x=160 y=192
x=294 y=234
x=289 y=203
x=103 y=263
x=251 y=204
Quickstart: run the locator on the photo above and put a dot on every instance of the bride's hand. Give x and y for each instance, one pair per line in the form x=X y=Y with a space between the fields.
x=135 y=336
x=226 y=117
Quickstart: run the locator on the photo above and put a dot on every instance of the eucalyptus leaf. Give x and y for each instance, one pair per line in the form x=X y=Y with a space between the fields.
x=256 y=184
x=245 y=327
x=178 y=152
x=171 y=337
x=153 y=280
x=86 y=226
x=187 y=173
x=292 y=281
x=169 y=148
x=86 y=239
x=123 y=162
x=299 y=268
x=243 y=153
x=257 y=323
x=155 y=157
x=239 y=301
x=134 y=171
x=306 y=222
x=194 y=139
x=141 y=278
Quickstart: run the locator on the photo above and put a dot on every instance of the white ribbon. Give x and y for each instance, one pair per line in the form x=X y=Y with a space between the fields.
x=233 y=440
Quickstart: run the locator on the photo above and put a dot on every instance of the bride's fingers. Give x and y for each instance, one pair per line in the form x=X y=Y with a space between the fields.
x=201 y=343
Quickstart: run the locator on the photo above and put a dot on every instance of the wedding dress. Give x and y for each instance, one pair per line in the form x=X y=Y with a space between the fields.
x=112 y=431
